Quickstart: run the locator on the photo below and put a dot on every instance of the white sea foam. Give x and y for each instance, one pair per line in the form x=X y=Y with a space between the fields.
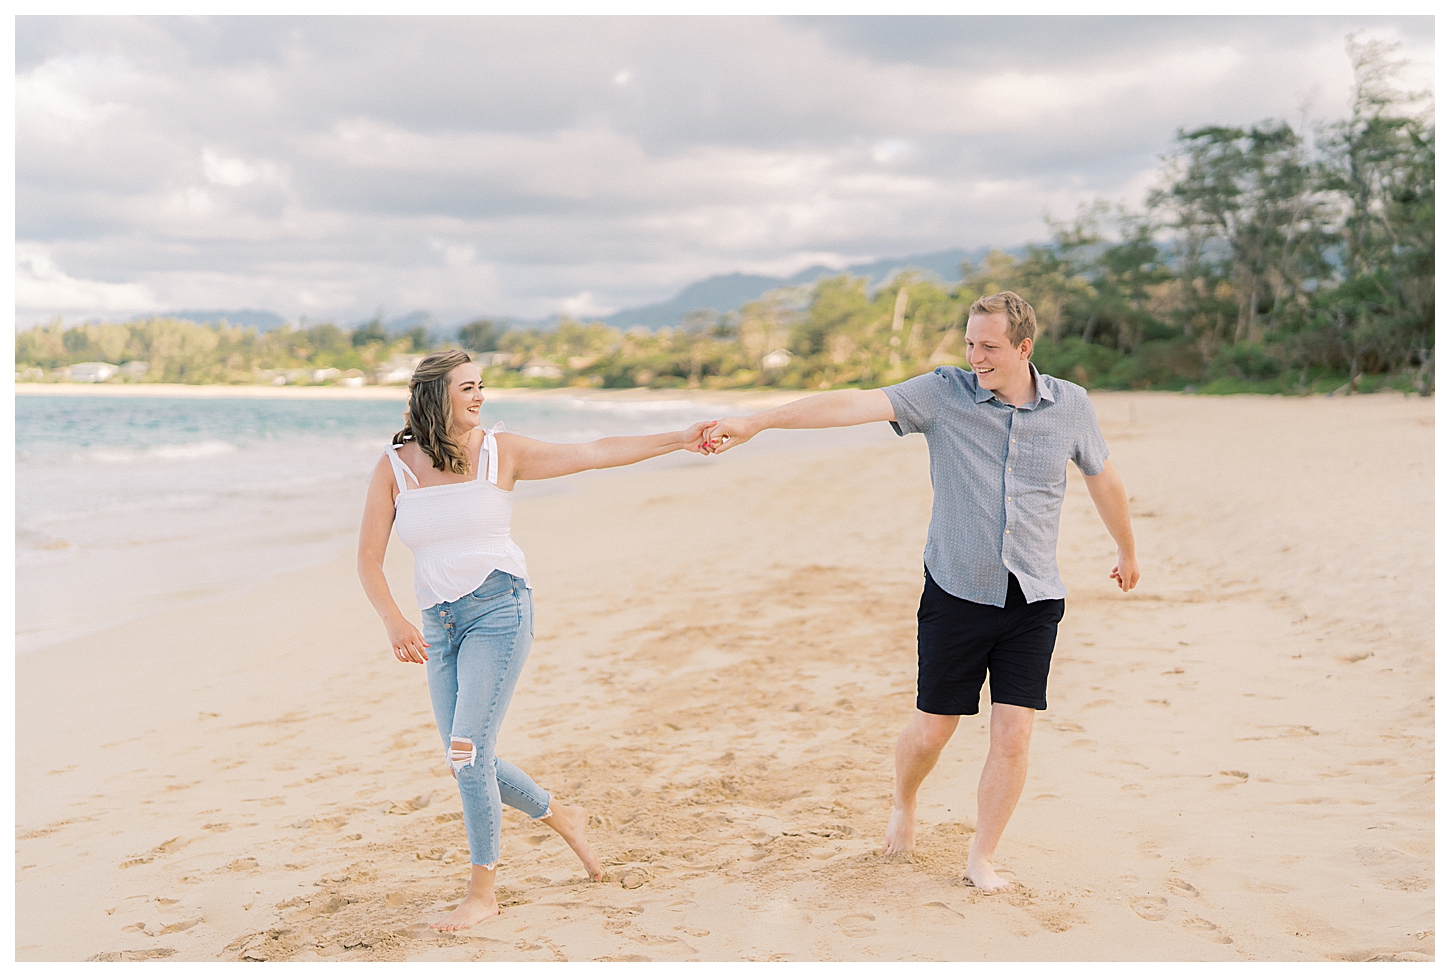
x=199 y=449
x=628 y=407
x=185 y=451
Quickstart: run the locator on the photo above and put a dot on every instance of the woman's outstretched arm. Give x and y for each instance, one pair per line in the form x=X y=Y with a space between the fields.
x=838 y=408
x=523 y=458
x=372 y=545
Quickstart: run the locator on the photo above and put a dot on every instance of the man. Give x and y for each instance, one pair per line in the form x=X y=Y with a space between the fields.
x=1000 y=437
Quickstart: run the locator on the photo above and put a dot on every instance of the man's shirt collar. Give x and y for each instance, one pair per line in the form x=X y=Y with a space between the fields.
x=981 y=394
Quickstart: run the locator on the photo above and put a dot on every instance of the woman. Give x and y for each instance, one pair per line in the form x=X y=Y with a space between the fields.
x=445 y=485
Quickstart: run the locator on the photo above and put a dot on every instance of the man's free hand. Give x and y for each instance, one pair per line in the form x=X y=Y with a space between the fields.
x=1126 y=572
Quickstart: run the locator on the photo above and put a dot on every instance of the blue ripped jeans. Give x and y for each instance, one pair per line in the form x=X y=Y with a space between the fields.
x=477 y=648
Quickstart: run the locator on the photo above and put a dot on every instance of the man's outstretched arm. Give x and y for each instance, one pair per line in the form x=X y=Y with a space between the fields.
x=838 y=408
x=1111 y=500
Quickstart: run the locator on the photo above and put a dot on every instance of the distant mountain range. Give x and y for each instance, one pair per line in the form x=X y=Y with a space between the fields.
x=726 y=293
x=260 y=318
x=265 y=321
x=720 y=293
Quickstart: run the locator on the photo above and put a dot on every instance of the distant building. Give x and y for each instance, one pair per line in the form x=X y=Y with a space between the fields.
x=539 y=368
x=776 y=359
x=354 y=378
x=399 y=369
x=135 y=369
x=495 y=358
x=93 y=372
x=322 y=376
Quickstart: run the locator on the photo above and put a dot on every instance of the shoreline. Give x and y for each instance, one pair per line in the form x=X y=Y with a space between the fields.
x=765 y=397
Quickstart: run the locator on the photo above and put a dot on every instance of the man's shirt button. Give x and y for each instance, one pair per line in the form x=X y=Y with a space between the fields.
x=1009 y=471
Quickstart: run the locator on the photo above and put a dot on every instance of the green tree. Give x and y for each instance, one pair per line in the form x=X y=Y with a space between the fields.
x=1381 y=160
x=372 y=332
x=480 y=335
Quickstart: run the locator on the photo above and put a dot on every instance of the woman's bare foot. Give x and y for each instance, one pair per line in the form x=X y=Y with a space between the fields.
x=900 y=831
x=980 y=874
x=473 y=909
x=571 y=822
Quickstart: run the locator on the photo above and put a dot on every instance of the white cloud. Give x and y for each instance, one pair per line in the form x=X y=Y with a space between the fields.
x=65 y=96
x=889 y=150
x=190 y=202
x=43 y=289
x=494 y=165
x=230 y=172
x=456 y=255
x=582 y=305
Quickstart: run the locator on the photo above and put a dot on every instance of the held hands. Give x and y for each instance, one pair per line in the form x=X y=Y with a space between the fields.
x=407 y=641
x=693 y=438
x=1126 y=572
x=726 y=434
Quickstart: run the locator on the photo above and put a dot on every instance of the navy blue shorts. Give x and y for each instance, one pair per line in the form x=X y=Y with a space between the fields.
x=959 y=643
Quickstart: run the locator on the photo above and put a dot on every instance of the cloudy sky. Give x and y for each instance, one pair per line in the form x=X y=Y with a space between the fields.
x=333 y=167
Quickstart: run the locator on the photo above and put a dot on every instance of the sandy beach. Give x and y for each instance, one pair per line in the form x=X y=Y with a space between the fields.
x=1237 y=762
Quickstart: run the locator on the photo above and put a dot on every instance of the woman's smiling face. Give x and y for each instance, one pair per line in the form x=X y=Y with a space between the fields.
x=465 y=390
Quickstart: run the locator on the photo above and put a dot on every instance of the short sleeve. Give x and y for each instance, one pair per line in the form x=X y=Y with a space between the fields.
x=917 y=402
x=1090 y=451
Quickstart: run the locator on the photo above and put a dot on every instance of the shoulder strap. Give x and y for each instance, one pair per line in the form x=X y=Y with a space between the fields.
x=399 y=467
x=490 y=444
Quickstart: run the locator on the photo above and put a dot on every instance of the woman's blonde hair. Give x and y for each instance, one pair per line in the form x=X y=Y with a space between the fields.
x=429 y=417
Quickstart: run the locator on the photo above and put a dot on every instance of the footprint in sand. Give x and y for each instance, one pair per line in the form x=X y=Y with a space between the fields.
x=165 y=848
x=1182 y=888
x=1202 y=927
x=111 y=956
x=180 y=927
x=857 y=924
x=1151 y=908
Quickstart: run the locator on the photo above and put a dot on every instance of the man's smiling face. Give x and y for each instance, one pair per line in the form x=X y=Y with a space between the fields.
x=991 y=354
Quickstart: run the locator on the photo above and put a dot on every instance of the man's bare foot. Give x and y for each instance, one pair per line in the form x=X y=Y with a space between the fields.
x=900 y=831
x=979 y=873
x=472 y=909
x=572 y=822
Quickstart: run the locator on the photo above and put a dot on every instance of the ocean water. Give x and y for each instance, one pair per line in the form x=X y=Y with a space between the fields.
x=127 y=505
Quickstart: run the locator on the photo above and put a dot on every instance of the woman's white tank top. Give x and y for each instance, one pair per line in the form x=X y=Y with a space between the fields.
x=458 y=532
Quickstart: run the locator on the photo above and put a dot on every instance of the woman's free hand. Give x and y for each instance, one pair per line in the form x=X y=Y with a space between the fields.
x=407 y=641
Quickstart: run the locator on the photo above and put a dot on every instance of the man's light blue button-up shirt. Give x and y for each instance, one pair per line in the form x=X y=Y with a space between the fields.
x=998 y=474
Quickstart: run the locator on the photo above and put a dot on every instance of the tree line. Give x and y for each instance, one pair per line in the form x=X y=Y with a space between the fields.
x=1271 y=257
x=181 y=351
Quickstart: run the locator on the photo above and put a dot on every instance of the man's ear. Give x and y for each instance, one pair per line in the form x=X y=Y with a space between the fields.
x=1026 y=348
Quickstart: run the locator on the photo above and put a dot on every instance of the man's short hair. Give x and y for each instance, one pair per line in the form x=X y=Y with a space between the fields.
x=1021 y=320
